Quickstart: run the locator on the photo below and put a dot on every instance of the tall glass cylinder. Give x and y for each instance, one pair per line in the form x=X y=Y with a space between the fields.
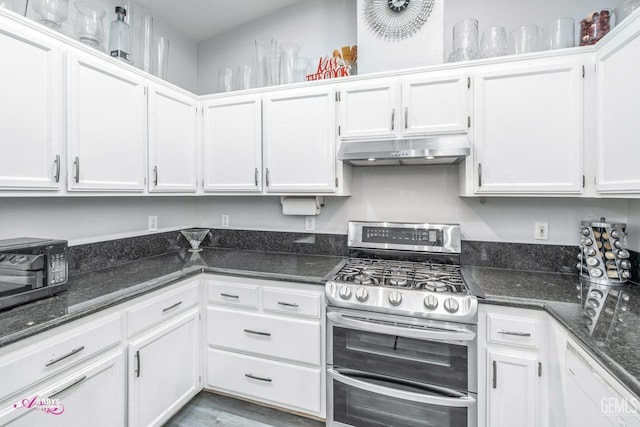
x=288 y=55
x=162 y=57
x=266 y=61
x=147 y=45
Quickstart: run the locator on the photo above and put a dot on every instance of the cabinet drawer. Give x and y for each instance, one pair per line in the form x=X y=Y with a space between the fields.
x=230 y=293
x=162 y=307
x=292 y=339
x=273 y=382
x=281 y=301
x=56 y=353
x=518 y=331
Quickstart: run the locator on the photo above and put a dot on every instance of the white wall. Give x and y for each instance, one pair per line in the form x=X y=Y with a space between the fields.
x=415 y=193
x=91 y=219
x=182 y=51
x=318 y=26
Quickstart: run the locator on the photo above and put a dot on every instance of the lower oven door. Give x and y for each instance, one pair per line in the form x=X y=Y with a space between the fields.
x=369 y=400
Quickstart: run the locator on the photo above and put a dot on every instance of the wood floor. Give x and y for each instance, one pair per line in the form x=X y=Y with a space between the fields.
x=209 y=409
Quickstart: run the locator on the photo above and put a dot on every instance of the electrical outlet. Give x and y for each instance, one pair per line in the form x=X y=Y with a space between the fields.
x=225 y=220
x=310 y=223
x=542 y=231
x=153 y=223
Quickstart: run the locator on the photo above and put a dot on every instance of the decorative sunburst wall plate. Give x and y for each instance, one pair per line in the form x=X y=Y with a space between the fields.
x=396 y=19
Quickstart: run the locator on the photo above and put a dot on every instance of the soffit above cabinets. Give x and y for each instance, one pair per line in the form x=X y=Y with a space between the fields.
x=200 y=20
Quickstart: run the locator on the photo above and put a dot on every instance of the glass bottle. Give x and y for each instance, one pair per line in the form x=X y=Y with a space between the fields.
x=120 y=36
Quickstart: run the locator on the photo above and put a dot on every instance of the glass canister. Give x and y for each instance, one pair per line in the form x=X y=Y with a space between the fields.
x=89 y=26
x=603 y=257
x=465 y=41
x=595 y=26
x=51 y=12
x=493 y=42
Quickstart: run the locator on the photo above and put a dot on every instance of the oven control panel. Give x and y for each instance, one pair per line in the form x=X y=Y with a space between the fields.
x=421 y=237
x=415 y=237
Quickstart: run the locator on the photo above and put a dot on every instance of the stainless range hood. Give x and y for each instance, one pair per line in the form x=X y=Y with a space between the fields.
x=441 y=150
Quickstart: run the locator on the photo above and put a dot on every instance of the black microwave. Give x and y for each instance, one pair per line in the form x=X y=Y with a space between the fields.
x=31 y=269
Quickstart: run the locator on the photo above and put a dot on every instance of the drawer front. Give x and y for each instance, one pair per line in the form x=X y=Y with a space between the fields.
x=39 y=361
x=291 y=339
x=272 y=382
x=235 y=294
x=518 y=331
x=281 y=301
x=163 y=307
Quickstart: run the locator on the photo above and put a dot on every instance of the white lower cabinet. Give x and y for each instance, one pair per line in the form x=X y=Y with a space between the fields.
x=89 y=395
x=266 y=342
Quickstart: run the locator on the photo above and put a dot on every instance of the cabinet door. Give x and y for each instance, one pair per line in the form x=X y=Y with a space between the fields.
x=30 y=104
x=299 y=141
x=164 y=370
x=93 y=395
x=528 y=129
x=106 y=126
x=172 y=141
x=233 y=144
x=618 y=104
x=512 y=388
x=435 y=104
x=368 y=110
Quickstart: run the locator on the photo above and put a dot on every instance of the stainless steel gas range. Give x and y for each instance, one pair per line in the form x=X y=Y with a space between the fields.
x=402 y=329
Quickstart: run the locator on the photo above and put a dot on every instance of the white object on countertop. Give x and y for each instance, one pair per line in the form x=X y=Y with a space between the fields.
x=301 y=205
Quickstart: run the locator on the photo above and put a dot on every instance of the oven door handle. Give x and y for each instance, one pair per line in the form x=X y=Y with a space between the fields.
x=439 y=334
x=464 y=401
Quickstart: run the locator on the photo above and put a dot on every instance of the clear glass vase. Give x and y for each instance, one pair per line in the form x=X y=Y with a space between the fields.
x=288 y=55
x=51 y=12
x=89 y=26
x=266 y=61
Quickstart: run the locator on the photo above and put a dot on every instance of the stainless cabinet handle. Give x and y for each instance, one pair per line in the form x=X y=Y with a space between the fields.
x=515 y=334
x=495 y=374
x=267 y=177
x=288 y=304
x=479 y=174
x=229 y=295
x=264 y=334
x=73 y=384
x=61 y=358
x=77 y=165
x=406 y=117
x=393 y=119
x=253 y=377
x=56 y=176
x=164 y=310
x=137 y=371
x=255 y=177
x=155 y=176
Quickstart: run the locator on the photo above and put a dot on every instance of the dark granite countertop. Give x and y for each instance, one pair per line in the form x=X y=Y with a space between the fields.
x=91 y=292
x=610 y=332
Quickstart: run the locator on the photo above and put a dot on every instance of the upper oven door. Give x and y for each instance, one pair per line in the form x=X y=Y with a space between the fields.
x=429 y=352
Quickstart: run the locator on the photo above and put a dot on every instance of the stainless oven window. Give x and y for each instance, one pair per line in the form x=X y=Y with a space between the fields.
x=432 y=362
x=367 y=407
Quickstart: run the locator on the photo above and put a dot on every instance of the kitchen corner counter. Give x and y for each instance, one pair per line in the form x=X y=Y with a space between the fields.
x=613 y=338
x=91 y=292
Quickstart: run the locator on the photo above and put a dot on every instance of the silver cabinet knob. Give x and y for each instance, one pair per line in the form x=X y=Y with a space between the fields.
x=395 y=298
x=451 y=305
x=431 y=302
x=345 y=293
x=362 y=294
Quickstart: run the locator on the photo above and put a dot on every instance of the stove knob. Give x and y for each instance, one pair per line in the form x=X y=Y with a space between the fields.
x=362 y=295
x=451 y=305
x=431 y=302
x=13 y=259
x=2 y=257
x=22 y=259
x=344 y=292
x=395 y=298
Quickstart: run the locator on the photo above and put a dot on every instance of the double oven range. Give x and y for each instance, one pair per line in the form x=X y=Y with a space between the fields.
x=402 y=330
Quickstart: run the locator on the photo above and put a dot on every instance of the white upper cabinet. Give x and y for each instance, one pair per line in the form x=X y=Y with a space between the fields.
x=618 y=105
x=368 y=109
x=299 y=141
x=232 y=130
x=30 y=109
x=435 y=103
x=528 y=127
x=420 y=105
x=172 y=141
x=106 y=126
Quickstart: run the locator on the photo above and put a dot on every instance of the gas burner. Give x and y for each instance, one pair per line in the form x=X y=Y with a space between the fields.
x=365 y=278
x=435 y=286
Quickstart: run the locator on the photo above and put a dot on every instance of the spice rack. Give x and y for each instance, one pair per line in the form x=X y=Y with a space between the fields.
x=603 y=257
